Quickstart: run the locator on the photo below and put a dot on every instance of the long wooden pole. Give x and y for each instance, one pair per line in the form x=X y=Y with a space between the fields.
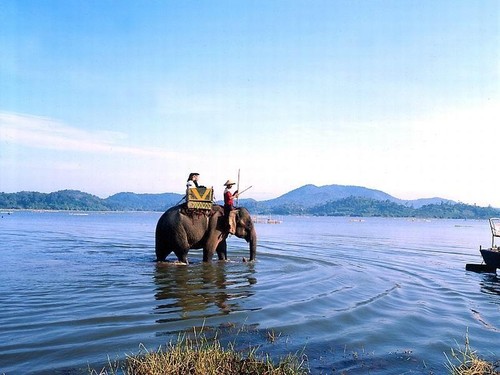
x=245 y=190
x=238 y=189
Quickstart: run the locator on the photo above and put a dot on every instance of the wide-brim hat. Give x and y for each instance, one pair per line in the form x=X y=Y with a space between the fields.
x=229 y=183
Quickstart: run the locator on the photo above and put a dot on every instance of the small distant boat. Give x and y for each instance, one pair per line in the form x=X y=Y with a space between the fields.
x=264 y=220
x=273 y=221
x=490 y=256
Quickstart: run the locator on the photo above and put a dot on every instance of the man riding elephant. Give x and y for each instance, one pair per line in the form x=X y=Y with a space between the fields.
x=229 y=205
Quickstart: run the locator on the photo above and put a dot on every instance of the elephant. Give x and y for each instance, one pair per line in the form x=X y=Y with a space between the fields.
x=179 y=230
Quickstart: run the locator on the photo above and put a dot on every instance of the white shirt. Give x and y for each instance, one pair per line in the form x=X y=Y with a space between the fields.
x=190 y=184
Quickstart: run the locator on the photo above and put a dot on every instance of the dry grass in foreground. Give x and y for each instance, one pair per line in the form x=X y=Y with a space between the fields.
x=199 y=356
x=466 y=362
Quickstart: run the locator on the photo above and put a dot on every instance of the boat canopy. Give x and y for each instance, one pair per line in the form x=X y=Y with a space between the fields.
x=495 y=229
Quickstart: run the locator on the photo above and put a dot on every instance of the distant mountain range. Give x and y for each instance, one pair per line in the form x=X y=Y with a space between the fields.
x=330 y=200
x=312 y=195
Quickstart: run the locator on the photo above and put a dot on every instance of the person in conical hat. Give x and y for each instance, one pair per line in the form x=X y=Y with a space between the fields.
x=229 y=205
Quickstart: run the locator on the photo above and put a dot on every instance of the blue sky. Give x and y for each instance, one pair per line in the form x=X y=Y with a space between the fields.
x=111 y=96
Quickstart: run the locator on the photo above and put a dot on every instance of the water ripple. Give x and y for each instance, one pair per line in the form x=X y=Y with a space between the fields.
x=79 y=288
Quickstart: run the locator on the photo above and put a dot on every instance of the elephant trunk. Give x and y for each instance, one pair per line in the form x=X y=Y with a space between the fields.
x=253 y=244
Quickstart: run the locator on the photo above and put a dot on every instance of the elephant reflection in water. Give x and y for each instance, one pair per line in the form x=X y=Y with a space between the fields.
x=187 y=290
x=490 y=284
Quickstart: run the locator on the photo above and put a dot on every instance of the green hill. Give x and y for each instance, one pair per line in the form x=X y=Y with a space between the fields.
x=358 y=206
x=59 y=200
x=309 y=196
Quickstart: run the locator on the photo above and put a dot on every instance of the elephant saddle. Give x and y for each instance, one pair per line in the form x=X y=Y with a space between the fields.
x=192 y=212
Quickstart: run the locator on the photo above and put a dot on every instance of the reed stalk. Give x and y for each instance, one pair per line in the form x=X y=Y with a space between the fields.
x=465 y=361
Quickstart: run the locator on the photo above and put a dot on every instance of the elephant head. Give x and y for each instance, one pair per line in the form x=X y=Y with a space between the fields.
x=245 y=229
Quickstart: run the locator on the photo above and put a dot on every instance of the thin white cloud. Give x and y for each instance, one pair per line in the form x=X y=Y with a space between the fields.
x=46 y=133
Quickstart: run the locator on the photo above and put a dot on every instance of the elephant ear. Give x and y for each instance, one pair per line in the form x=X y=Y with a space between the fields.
x=239 y=216
x=244 y=218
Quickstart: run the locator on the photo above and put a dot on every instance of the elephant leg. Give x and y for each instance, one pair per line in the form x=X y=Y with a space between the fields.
x=162 y=257
x=212 y=245
x=161 y=253
x=182 y=256
x=222 y=250
x=208 y=254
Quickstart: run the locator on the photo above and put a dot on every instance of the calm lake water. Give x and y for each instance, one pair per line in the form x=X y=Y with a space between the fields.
x=377 y=295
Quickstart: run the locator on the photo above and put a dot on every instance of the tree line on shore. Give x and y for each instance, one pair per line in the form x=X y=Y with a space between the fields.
x=350 y=206
x=367 y=207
